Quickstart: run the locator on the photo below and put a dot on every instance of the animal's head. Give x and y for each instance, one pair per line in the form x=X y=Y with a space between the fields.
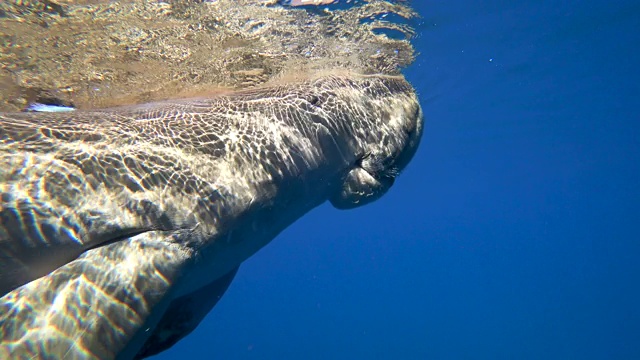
x=377 y=124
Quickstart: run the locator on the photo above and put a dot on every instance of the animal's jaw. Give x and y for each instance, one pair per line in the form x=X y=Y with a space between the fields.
x=373 y=173
x=360 y=188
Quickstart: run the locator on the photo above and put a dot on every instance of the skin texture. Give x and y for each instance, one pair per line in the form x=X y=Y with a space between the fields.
x=107 y=217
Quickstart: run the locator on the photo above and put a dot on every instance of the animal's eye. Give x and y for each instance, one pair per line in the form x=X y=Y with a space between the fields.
x=362 y=158
x=313 y=100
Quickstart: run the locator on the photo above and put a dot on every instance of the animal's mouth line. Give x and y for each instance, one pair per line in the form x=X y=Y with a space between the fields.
x=377 y=169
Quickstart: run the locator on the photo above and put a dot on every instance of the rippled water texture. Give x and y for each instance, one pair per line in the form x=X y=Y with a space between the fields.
x=93 y=54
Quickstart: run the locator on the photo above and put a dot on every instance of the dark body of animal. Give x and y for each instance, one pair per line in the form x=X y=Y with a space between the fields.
x=121 y=228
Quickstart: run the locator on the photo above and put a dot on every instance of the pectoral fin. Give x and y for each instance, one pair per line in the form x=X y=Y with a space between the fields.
x=98 y=305
x=184 y=315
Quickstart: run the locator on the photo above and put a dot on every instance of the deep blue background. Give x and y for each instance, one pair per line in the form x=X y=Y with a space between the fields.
x=513 y=234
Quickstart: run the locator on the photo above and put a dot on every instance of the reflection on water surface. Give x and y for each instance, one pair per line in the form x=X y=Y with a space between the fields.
x=93 y=53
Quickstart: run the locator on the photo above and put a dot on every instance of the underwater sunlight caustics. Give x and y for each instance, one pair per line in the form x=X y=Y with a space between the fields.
x=121 y=228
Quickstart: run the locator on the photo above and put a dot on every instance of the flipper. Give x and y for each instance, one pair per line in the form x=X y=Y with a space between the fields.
x=184 y=314
x=99 y=305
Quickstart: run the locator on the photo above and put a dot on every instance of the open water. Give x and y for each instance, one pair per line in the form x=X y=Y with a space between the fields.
x=512 y=235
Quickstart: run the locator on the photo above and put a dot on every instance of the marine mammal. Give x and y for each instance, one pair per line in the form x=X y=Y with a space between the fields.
x=108 y=217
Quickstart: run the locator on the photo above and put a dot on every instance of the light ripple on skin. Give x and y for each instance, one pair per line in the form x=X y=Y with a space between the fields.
x=136 y=206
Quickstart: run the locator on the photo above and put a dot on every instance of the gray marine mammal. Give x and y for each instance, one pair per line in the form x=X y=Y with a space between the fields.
x=108 y=218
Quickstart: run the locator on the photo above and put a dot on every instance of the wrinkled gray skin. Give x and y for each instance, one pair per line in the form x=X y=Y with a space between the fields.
x=120 y=228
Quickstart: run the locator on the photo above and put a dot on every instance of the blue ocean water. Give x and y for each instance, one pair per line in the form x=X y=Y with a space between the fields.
x=512 y=235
